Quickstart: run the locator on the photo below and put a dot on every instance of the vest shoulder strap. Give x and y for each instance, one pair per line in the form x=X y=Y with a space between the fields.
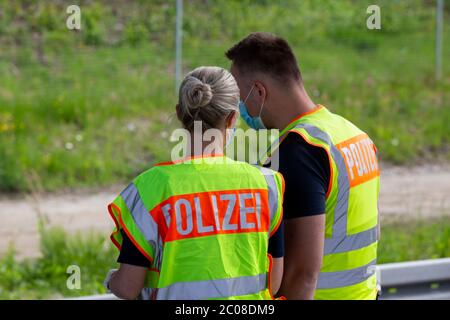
x=275 y=184
x=130 y=215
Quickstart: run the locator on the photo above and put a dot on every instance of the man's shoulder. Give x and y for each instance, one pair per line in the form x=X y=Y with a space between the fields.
x=294 y=143
x=297 y=157
x=331 y=125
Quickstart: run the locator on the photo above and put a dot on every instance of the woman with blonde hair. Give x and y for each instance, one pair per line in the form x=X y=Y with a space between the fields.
x=199 y=228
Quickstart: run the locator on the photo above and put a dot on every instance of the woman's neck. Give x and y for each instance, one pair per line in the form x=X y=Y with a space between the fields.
x=199 y=147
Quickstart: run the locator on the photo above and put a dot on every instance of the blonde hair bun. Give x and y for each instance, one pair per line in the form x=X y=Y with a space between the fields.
x=207 y=94
x=195 y=93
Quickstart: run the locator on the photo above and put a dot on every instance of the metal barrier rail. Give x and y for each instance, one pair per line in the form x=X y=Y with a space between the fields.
x=415 y=280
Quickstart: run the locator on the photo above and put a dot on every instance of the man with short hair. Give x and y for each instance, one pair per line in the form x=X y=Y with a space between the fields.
x=331 y=173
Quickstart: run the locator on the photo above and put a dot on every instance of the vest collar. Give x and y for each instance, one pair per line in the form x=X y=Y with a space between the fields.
x=283 y=133
x=193 y=158
x=293 y=123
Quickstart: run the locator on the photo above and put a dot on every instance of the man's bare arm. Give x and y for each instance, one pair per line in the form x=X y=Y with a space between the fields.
x=303 y=257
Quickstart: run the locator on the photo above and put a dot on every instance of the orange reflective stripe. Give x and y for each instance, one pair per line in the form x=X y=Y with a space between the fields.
x=280 y=219
x=315 y=109
x=285 y=132
x=330 y=163
x=277 y=225
x=269 y=279
x=115 y=233
x=360 y=159
x=211 y=213
x=111 y=207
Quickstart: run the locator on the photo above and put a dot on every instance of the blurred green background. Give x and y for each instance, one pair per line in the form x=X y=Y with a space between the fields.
x=95 y=107
x=90 y=107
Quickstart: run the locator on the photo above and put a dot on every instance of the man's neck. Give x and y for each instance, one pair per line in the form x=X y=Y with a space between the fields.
x=291 y=107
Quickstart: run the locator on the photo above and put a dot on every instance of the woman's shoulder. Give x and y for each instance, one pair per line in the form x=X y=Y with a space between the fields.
x=155 y=172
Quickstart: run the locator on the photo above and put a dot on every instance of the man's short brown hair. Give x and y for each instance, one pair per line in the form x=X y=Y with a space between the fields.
x=266 y=53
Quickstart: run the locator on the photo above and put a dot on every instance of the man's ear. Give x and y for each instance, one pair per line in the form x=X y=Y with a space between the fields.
x=261 y=91
x=231 y=120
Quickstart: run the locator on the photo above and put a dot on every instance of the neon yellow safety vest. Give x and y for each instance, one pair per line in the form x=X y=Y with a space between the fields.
x=203 y=224
x=351 y=233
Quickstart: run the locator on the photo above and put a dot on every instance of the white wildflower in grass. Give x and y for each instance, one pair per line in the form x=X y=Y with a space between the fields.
x=79 y=137
x=131 y=127
x=395 y=142
x=69 y=146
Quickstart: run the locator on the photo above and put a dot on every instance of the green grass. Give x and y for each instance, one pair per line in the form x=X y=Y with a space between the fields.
x=46 y=276
x=415 y=241
x=95 y=107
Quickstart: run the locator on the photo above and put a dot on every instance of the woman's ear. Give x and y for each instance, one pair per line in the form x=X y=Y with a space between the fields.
x=231 y=120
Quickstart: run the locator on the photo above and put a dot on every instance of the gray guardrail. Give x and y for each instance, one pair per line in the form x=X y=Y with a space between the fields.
x=414 y=280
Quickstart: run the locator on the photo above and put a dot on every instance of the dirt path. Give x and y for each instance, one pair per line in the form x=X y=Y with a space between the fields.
x=406 y=193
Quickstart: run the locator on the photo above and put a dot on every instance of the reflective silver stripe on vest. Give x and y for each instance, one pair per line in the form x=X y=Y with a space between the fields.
x=352 y=242
x=158 y=254
x=337 y=279
x=340 y=241
x=272 y=190
x=147 y=293
x=142 y=218
x=208 y=289
x=340 y=211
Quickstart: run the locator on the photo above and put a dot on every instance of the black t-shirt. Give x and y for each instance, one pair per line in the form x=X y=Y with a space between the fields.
x=129 y=254
x=306 y=172
x=276 y=243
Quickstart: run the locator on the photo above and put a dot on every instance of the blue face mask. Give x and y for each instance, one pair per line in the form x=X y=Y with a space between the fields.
x=253 y=122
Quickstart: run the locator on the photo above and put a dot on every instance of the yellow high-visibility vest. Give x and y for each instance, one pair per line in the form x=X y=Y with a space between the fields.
x=351 y=231
x=204 y=226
